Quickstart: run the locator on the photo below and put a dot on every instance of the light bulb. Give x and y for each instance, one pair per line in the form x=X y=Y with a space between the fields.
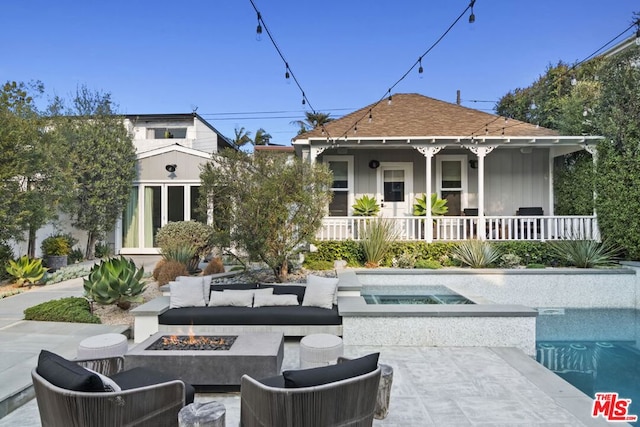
x=259 y=32
x=472 y=18
x=390 y=99
x=574 y=81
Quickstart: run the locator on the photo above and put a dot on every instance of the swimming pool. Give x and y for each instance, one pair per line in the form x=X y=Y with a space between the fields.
x=594 y=350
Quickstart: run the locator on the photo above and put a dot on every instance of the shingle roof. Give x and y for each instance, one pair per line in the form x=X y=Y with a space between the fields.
x=418 y=115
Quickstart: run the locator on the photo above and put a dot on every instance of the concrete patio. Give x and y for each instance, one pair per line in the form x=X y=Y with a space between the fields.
x=432 y=386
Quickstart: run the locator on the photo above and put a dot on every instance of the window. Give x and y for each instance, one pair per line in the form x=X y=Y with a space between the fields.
x=342 y=168
x=452 y=181
x=165 y=133
x=393 y=185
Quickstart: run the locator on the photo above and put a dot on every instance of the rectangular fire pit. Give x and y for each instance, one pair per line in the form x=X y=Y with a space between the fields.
x=256 y=354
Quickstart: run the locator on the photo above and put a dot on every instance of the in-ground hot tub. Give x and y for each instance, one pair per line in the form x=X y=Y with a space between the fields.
x=401 y=295
x=256 y=354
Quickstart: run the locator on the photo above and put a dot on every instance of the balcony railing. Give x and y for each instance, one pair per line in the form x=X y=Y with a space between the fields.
x=455 y=228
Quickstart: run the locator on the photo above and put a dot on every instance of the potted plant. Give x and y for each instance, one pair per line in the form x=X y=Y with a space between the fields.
x=56 y=249
x=366 y=206
x=438 y=208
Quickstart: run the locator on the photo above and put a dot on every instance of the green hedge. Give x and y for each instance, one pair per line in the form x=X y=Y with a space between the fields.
x=351 y=251
x=72 y=309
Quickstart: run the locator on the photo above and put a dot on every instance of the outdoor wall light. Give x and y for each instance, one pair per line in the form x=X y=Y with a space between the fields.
x=171 y=168
x=473 y=164
x=373 y=164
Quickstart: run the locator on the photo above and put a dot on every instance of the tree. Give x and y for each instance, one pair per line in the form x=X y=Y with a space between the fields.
x=261 y=138
x=241 y=136
x=273 y=203
x=33 y=174
x=311 y=121
x=103 y=163
x=617 y=118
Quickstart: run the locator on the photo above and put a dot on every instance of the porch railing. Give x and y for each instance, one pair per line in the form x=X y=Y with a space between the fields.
x=454 y=228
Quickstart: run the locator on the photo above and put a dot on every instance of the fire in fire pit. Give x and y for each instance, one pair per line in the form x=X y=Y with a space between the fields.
x=193 y=342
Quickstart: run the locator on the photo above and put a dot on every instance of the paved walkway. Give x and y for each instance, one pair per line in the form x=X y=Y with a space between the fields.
x=463 y=386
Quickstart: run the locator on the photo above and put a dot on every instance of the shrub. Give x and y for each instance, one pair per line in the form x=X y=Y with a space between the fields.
x=377 y=238
x=186 y=234
x=56 y=245
x=214 y=266
x=76 y=255
x=66 y=273
x=6 y=254
x=169 y=271
x=157 y=268
x=318 y=264
x=510 y=261
x=348 y=250
x=26 y=270
x=585 y=253
x=476 y=253
x=406 y=260
x=102 y=250
x=529 y=252
x=115 y=281
x=72 y=309
x=428 y=263
x=536 y=266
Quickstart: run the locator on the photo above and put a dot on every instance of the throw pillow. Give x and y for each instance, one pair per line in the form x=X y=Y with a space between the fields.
x=331 y=373
x=66 y=374
x=262 y=300
x=197 y=279
x=231 y=299
x=320 y=294
x=187 y=293
x=286 y=289
x=107 y=383
x=313 y=279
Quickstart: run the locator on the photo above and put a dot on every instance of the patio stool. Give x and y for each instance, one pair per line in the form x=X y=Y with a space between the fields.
x=100 y=346
x=384 y=392
x=319 y=350
x=202 y=414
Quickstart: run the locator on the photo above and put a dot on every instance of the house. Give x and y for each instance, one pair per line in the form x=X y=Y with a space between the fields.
x=495 y=173
x=170 y=149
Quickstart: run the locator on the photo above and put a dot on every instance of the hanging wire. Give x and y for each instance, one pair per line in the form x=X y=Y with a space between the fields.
x=387 y=94
x=289 y=74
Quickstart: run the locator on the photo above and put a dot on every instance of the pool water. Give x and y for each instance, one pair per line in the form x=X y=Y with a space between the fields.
x=407 y=294
x=586 y=358
x=415 y=299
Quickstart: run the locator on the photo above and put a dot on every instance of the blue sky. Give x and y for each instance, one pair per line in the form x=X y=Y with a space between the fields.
x=170 y=57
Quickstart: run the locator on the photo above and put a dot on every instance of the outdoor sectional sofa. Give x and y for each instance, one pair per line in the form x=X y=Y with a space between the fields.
x=165 y=314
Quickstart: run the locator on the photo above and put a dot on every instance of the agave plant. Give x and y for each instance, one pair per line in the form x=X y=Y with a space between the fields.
x=184 y=254
x=115 y=281
x=26 y=270
x=476 y=253
x=376 y=240
x=366 y=206
x=585 y=253
x=438 y=206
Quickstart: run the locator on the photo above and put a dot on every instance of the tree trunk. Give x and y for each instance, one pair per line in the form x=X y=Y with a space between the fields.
x=90 y=253
x=31 y=248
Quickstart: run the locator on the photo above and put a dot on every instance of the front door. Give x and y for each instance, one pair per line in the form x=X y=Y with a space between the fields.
x=395 y=188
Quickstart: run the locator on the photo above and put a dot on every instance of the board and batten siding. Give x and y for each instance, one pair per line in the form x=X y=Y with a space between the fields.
x=153 y=168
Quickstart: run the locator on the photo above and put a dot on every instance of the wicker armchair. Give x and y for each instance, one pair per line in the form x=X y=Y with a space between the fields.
x=155 y=405
x=349 y=402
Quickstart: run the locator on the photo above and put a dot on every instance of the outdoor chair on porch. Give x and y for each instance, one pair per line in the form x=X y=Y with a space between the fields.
x=472 y=233
x=104 y=394
x=529 y=229
x=313 y=397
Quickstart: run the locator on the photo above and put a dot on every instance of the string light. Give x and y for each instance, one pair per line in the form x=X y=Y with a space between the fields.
x=370 y=116
x=472 y=17
x=259 y=29
x=388 y=94
x=304 y=101
x=574 y=81
x=286 y=73
x=420 y=69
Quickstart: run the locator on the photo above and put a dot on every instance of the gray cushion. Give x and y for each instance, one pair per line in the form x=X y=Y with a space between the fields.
x=187 y=293
x=262 y=300
x=231 y=298
x=331 y=373
x=320 y=294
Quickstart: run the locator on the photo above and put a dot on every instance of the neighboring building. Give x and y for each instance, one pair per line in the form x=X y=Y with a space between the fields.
x=487 y=168
x=170 y=149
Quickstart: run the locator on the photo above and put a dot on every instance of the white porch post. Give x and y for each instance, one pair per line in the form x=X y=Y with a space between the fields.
x=593 y=150
x=314 y=152
x=428 y=152
x=481 y=152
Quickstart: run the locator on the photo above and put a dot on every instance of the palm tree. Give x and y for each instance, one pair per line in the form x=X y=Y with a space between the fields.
x=311 y=121
x=261 y=138
x=241 y=136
